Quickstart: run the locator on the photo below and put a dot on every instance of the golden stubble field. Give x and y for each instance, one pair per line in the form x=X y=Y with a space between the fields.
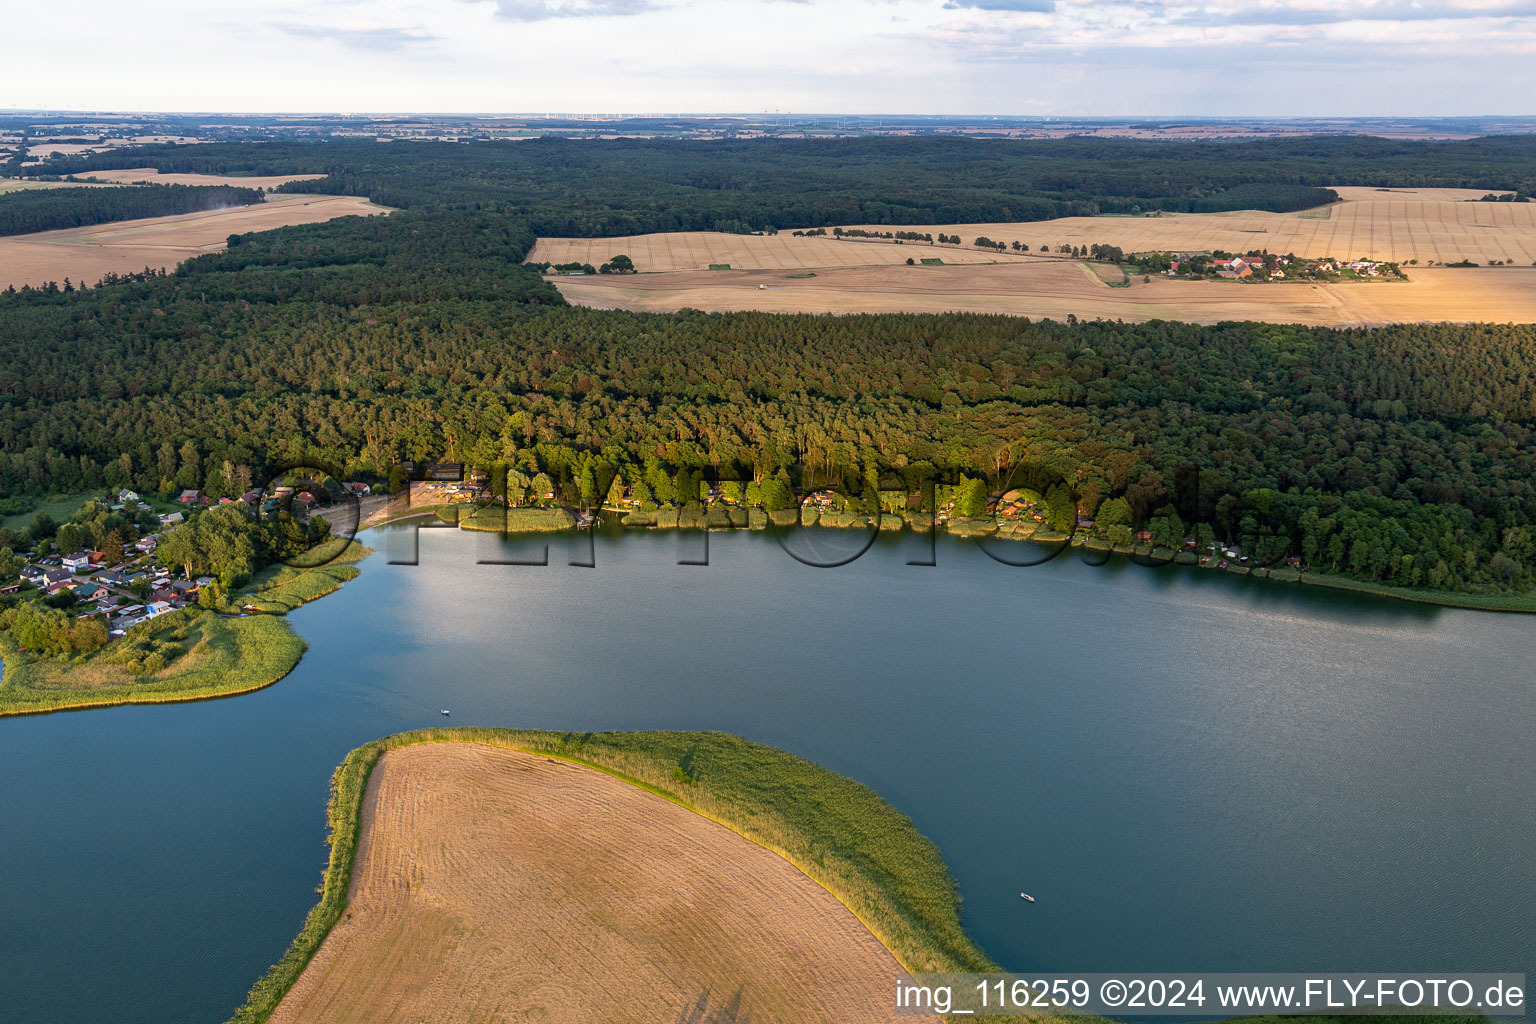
x=86 y=254
x=143 y=175
x=1437 y=224
x=497 y=885
x=1059 y=288
x=1394 y=225
x=697 y=250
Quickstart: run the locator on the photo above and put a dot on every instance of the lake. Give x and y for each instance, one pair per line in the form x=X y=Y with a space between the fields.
x=1190 y=770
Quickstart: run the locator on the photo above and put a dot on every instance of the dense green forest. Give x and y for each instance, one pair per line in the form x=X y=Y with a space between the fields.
x=625 y=186
x=47 y=209
x=1401 y=454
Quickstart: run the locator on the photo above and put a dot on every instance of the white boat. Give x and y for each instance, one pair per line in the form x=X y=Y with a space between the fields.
x=444 y=712
x=1026 y=897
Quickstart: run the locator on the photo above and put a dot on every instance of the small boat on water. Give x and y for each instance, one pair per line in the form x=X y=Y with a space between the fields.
x=444 y=712
x=1026 y=897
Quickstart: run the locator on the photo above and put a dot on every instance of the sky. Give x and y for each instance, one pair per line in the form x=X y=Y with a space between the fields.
x=1023 y=57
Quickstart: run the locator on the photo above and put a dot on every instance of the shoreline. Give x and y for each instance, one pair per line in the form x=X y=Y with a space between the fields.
x=250 y=634
x=758 y=520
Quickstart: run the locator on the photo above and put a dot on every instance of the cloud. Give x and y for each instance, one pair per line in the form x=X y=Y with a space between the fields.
x=1388 y=10
x=374 y=39
x=1025 y=6
x=544 y=10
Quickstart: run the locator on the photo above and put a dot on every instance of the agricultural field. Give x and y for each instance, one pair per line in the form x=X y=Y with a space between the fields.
x=1397 y=225
x=24 y=184
x=86 y=254
x=498 y=884
x=1392 y=225
x=699 y=250
x=1058 y=288
x=142 y=175
x=768 y=272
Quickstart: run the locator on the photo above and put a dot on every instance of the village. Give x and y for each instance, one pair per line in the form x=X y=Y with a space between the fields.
x=1263 y=267
x=121 y=582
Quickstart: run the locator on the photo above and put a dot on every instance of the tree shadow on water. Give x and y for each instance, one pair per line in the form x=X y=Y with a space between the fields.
x=729 y=1012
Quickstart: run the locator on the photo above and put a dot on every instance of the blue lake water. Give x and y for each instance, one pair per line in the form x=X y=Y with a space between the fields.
x=1191 y=771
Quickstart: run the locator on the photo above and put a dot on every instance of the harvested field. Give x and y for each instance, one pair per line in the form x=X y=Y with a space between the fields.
x=86 y=254
x=496 y=884
x=697 y=250
x=1398 y=225
x=25 y=184
x=140 y=175
x=1050 y=288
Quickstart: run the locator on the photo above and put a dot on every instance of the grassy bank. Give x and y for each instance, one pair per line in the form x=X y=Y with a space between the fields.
x=206 y=655
x=837 y=831
x=214 y=656
x=279 y=589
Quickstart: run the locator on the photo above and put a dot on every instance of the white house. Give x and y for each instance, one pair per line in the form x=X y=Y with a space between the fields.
x=157 y=608
x=78 y=562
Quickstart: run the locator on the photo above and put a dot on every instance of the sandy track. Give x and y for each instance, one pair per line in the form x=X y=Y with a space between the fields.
x=495 y=885
x=1045 y=288
x=86 y=254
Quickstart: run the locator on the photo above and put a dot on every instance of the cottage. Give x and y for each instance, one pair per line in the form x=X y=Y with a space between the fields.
x=190 y=497
x=127 y=497
x=172 y=519
x=147 y=544
x=359 y=489
x=80 y=561
x=53 y=578
x=157 y=608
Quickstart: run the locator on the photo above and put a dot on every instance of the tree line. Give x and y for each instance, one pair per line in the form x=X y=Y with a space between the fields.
x=49 y=209
x=1401 y=454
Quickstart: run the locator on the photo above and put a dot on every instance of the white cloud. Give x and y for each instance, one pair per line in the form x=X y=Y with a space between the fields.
x=875 y=56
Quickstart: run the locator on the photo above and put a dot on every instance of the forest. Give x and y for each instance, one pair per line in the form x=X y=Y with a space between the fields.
x=48 y=209
x=589 y=188
x=1400 y=454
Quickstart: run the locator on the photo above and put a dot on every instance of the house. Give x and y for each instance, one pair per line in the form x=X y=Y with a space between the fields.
x=203 y=581
x=183 y=588
x=32 y=574
x=157 y=608
x=172 y=519
x=1145 y=536
x=89 y=592
x=80 y=561
x=251 y=497
x=444 y=471
x=147 y=544
x=53 y=579
x=359 y=489
x=190 y=497
x=127 y=497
